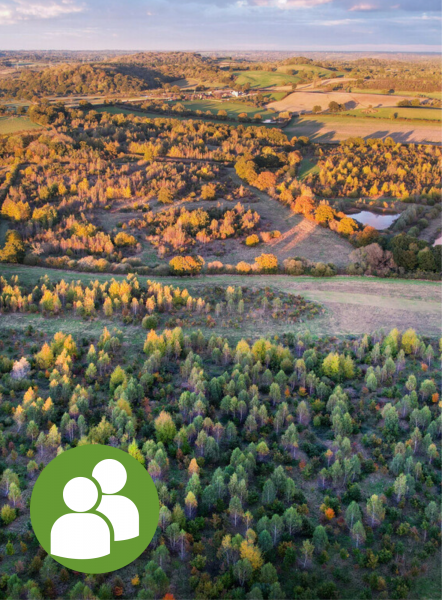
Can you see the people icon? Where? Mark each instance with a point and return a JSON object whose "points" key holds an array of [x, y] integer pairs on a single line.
{"points": [[80, 534], [120, 510], [85, 535]]}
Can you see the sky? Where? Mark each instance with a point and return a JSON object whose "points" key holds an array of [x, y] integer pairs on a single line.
{"points": [[292, 25]]}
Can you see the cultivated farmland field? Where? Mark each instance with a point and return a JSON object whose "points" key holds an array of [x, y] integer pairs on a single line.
{"points": [[325, 128], [303, 101]]}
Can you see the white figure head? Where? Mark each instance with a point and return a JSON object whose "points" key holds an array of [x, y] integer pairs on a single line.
{"points": [[111, 475], [80, 494]]}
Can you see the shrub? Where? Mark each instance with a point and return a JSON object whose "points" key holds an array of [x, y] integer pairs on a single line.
{"points": [[322, 270], [252, 240], [208, 191], [243, 267], [150, 322], [165, 196], [124, 239], [8, 514], [186, 265], [267, 263], [293, 266]]}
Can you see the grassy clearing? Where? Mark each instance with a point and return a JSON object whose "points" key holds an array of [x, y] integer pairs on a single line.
{"points": [[232, 107], [264, 79], [307, 167], [274, 96], [14, 124], [327, 128], [320, 71], [352, 305], [414, 114]]}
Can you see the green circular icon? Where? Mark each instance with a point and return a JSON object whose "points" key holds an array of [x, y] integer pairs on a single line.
{"points": [[94, 509]]}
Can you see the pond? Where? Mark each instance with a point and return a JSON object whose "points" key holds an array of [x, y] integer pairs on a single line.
{"points": [[374, 220]]}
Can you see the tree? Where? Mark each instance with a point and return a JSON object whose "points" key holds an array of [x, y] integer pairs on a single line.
{"points": [[293, 520], [400, 486], [358, 533], [165, 427], [252, 553], [320, 538], [243, 570], [235, 509], [352, 514], [307, 551], [375, 510]]}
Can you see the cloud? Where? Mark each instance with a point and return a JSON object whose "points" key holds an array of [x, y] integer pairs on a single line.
{"points": [[288, 4], [364, 6], [14, 11]]}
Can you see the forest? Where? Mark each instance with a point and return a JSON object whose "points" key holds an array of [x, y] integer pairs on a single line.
{"points": [[293, 467], [199, 289]]}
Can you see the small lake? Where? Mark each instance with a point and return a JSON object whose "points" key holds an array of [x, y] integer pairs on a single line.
{"points": [[374, 220]]}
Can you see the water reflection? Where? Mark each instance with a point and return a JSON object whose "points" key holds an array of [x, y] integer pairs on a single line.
{"points": [[374, 220]]}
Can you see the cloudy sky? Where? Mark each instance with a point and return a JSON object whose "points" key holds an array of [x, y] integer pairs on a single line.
{"points": [[382, 25]]}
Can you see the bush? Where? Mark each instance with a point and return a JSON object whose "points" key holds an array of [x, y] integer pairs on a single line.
{"points": [[186, 265], [165, 196], [293, 266], [252, 240], [149, 322], [243, 267], [124, 239], [267, 263], [8, 514]]}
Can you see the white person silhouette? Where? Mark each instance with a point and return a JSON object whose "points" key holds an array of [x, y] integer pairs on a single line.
{"points": [[120, 510], [80, 534]]}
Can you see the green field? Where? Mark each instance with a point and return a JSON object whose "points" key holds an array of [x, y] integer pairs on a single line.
{"points": [[434, 95], [264, 79], [320, 71], [14, 124], [232, 107], [307, 167], [413, 114]]}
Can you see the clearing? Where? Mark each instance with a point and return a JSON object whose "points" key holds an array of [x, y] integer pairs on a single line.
{"points": [[264, 79], [232, 107], [352, 305], [14, 124]]}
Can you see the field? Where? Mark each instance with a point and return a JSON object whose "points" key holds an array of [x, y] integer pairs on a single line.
{"points": [[414, 114], [264, 79], [232, 107], [320, 71], [434, 95], [302, 101], [14, 124], [326, 128]]}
